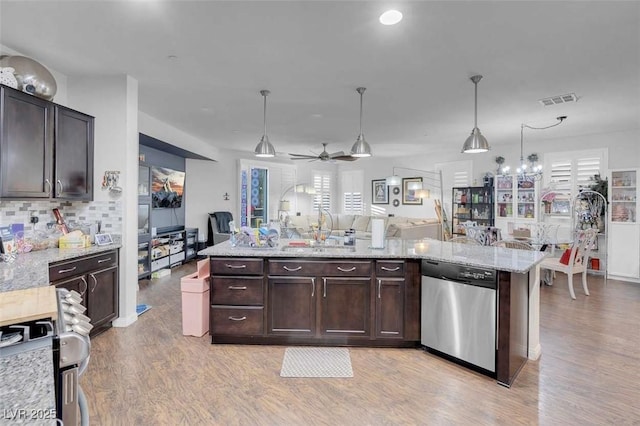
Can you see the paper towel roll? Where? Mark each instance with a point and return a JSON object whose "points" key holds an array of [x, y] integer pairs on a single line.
{"points": [[377, 233]]}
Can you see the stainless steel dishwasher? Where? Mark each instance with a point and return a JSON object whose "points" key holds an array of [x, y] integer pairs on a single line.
{"points": [[459, 312]]}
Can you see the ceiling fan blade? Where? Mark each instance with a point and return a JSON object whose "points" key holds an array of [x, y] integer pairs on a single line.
{"points": [[345, 158], [336, 154], [302, 156]]}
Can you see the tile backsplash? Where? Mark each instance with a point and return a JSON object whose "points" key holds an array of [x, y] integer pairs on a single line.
{"points": [[109, 213]]}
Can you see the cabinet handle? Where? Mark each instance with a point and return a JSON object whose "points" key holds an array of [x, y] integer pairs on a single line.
{"points": [[286, 268], [313, 286], [379, 285], [104, 260], [324, 287], [384, 268], [235, 266], [236, 287], [64, 271], [95, 282], [237, 319], [86, 286], [61, 186], [48, 182], [341, 269]]}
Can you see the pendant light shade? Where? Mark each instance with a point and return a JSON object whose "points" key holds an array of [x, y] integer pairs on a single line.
{"points": [[475, 142], [264, 147], [361, 148]]}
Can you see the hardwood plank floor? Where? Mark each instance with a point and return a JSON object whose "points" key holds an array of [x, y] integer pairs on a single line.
{"points": [[588, 374]]}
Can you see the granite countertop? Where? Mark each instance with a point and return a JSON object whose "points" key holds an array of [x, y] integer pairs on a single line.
{"points": [[32, 269], [497, 258]]}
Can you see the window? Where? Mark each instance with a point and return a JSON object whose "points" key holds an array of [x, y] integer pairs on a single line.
{"points": [[570, 171], [322, 185], [352, 195]]}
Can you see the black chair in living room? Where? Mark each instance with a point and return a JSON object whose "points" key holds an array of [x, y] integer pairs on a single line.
{"points": [[219, 229]]}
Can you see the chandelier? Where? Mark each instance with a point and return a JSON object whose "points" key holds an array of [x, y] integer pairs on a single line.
{"points": [[528, 172]]}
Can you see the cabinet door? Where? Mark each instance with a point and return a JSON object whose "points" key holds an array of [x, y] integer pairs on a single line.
{"points": [[103, 296], [78, 284], [26, 145], [74, 155], [346, 306], [624, 250], [389, 307], [291, 309]]}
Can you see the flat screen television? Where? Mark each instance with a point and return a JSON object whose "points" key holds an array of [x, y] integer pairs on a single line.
{"points": [[167, 187]]}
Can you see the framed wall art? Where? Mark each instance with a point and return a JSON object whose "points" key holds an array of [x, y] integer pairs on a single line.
{"points": [[410, 188], [379, 192]]}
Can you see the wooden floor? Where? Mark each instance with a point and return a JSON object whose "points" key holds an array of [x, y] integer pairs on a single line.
{"points": [[150, 374]]}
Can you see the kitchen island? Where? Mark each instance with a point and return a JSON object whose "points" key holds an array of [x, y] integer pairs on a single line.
{"points": [[359, 296]]}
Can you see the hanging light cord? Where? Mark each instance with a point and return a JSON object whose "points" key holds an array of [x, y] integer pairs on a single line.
{"points": [[522, 126], [264, 95], [475, 111], [361, 91]]}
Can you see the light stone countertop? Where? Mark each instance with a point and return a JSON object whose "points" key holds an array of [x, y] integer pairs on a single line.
{"points": [[32, 269], [496, 258]]}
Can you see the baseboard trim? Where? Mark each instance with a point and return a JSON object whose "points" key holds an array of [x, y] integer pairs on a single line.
{"points": [[535, 352], [125, 321]]}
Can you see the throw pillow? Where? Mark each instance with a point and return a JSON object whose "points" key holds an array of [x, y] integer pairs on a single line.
{"points": [[564, 259]]}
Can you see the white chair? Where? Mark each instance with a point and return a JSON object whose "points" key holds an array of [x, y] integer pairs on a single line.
{"points": [[578, 258], [514, 244]]}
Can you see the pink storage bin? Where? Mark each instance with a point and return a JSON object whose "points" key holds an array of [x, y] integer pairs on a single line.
{"points": [[195, 301]]}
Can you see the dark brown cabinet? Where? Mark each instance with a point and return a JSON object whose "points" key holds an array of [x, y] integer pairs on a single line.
{"points": [[292, 306], [345, 306], [46, 150], [95, 277], [315, 301]]}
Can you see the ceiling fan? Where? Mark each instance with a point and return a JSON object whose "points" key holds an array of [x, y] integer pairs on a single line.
{"points": [[324, 156]]}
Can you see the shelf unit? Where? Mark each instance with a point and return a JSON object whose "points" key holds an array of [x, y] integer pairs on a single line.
{"points": [[144, 221], [587, 207], [623, 226], [472, 203], [516, 199], [191, 238], [168, 249]]}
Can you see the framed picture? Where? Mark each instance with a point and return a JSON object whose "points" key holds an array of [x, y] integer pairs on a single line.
{"points": [[410, 188], [379, 192], [103, 239]]}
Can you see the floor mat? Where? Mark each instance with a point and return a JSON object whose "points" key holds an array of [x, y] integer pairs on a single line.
{"points": [[316, 362], [141, 309]]}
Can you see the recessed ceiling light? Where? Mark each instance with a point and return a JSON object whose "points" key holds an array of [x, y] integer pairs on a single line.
{"points": [[316, 115], [390, 17], [172, 57]]}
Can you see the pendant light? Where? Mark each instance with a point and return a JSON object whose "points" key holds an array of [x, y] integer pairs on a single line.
{"points": [[361, 148], [264, 147], [476, 142]]}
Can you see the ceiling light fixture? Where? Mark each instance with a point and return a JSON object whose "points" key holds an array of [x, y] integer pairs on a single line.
{"points": [[361, 148], [390, 17], [524, 172], [476, 142], [264, 147]]}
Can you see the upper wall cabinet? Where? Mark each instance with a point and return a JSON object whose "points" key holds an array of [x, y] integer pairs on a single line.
{"points": [[46, 150]]}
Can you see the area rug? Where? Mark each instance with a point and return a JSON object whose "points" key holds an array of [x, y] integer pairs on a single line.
{"points": [[141, 309], [316, 362]]}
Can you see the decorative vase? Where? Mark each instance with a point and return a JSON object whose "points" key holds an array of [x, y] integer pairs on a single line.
{"points": [[7, 78], [32, 76]]}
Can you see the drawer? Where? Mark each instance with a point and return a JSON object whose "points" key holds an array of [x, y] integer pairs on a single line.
{"points": [[175, 248], [236, 266], [159, 264], [328, 268], [244, 321], [237, 291], [390, 268], [83, 265], [175, 258]]}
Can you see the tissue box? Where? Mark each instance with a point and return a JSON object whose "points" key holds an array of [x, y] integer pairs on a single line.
{"points": [[74, 239]]}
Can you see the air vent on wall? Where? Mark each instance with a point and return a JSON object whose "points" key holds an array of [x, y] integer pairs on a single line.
{"points": [[562, 99]]}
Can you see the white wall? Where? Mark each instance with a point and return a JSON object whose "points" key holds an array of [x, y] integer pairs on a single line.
{"points": [[113, 100]]}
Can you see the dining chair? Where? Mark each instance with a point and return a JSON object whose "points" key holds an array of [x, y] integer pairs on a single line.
{"points": [[514, 244], [577, 259], [465, 240]]}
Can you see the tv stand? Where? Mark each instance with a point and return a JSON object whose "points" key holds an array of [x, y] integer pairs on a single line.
{"points": [[172, 246]]}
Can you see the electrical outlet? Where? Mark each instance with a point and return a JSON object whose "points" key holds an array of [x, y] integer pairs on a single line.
{"points": [[33, 219]]}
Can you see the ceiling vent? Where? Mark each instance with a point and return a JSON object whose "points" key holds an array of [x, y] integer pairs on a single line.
{"points": [[562, 99]]}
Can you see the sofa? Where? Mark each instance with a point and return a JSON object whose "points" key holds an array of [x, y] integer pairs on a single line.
{"points": [[395, 226]]}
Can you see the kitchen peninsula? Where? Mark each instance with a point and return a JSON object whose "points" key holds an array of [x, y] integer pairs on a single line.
{"points": [[359, 296]]}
